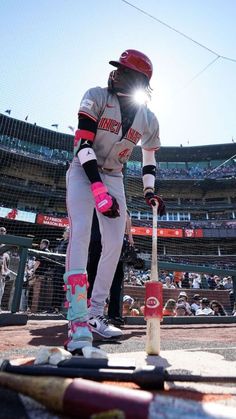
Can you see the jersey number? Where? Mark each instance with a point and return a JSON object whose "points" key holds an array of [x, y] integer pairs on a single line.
{"points": [[123, 155]]}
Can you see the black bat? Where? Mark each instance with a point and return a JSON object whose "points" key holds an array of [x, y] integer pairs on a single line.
{"points": [[146, 377]]}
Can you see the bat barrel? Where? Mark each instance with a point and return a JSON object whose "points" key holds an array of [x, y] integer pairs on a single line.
{"points": [[85, 398], [81, 398]]}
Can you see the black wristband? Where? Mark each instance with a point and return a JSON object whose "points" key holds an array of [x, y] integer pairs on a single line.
{"points": [[149, 169]]}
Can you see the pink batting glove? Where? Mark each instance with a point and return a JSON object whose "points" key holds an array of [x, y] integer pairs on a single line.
{"points": [[103, 200]]}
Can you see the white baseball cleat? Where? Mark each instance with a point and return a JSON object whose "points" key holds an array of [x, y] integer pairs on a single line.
{"points": [[100, 326]]}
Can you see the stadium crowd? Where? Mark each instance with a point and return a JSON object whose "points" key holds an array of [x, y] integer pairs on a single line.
{"points": [[184, 280], [184, 305], [133, 169]]}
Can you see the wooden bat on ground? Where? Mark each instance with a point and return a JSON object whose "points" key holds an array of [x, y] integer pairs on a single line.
{"points": [[153, 296], [87, 399], [81, 398]]}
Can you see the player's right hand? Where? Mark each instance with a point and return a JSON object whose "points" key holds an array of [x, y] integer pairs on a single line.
{"points": [[151, 200], [105, 203]]}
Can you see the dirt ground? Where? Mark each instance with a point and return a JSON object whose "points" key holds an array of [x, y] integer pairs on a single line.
{"points": [[185, 349]]}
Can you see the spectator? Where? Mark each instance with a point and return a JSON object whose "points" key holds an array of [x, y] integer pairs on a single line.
{"points": [[217, 308], [205, 309], [228, 283], [196, 284], [169, 308], [127, 305], [219, 283], [4, 266], [62, 247], [138, 308], [204, 282], [184, 296], [26, 294], [142, 309], [42, 284], [212, 283], [3, 231], [196, 303], [134, 312], [167, 283], [185, 281], [182, 308], [178, 276]]}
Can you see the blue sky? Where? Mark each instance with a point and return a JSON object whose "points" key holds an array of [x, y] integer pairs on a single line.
{"points": [[52, 51]]}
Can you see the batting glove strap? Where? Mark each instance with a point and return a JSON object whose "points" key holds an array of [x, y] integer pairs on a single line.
{"points": [[98, 188]]}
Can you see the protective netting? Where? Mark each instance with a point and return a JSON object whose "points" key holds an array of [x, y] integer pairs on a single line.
{"points": [[198, 185]]}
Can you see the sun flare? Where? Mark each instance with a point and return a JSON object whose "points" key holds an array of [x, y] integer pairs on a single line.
{"points": [[141, 97]]}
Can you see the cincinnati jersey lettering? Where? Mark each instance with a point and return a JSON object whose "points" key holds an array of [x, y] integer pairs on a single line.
{"points": [[111, 125], [108, 124]]}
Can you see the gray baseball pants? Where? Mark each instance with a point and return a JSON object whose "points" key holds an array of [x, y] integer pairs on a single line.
{"points": [[80, 206]]}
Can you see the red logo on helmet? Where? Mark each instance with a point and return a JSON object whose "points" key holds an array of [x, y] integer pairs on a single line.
{"points": [[124, 55]]}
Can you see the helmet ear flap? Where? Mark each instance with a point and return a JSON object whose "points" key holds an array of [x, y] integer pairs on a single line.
{"points": [[111, 79]]}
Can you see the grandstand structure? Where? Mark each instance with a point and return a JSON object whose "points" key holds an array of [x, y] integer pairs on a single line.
{"points": [[198, 185]]}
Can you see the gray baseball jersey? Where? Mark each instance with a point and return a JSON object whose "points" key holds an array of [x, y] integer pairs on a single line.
{"points": [[111, 148]]}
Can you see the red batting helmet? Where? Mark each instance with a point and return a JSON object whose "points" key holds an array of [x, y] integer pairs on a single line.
{"points": [[135, 60]]}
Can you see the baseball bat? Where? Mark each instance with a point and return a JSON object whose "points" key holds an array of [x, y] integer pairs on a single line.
{"points": [[79, 397], [153, 319], [148, 376]]}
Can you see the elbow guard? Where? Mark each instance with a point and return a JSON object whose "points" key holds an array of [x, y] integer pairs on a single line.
{"points": [[83, 137]]}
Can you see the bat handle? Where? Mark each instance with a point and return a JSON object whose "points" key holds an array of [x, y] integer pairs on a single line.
{"points": [[154, 265], [153, 341]]}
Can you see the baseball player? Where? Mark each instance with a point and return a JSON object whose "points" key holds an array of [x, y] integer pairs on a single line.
{"points": [[110, 124]]}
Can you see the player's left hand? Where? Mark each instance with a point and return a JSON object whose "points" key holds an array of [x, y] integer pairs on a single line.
{"points": [[151, 199]]}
